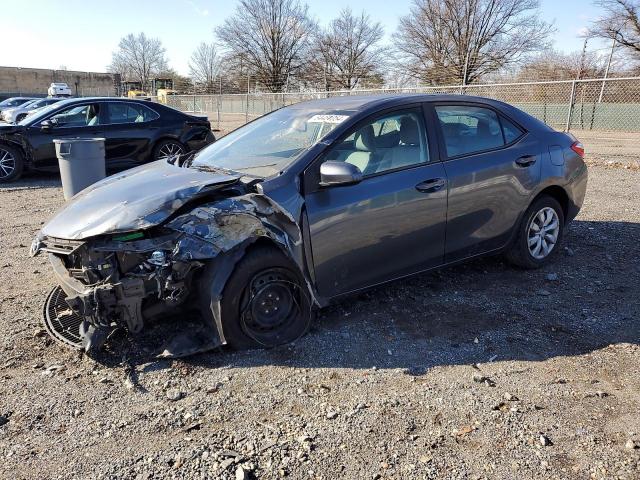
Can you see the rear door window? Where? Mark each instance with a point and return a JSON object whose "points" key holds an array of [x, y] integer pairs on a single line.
{"points": [[121, 112], [469, 129]]}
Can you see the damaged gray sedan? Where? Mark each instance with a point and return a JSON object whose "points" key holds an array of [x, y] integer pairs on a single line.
{"points": [[241, 242]]}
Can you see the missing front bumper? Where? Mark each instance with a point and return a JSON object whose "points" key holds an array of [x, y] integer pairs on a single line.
{"points": [[82, 317]]}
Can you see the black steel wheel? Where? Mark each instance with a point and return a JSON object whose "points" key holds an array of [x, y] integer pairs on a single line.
{"points": [[265, 302]]}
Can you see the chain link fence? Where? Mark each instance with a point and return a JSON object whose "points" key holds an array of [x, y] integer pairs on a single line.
{"points": [[603, 113]]}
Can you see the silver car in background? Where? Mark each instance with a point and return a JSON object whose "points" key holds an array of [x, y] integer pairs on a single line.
{"points": [[13, 102], [17, 114]]}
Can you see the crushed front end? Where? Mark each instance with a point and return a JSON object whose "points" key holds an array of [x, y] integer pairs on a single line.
{"points": [[114, 281], [177, 268]]}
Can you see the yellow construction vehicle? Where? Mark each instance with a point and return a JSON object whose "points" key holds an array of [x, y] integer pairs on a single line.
{"points": [[138, 94]]}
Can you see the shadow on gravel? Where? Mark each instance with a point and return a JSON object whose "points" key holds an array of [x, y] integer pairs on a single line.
{"points": [[482, 311], [33, 180]]}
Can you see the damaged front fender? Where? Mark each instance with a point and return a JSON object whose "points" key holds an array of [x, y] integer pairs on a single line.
{"points": [[228, 227]]}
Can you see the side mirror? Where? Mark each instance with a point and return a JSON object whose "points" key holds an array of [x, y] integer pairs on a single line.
{"points": [[339, 173], [46, 125]]}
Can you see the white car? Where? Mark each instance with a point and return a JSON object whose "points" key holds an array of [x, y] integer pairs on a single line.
{"points": [[59, 90], [16, 114], [8, 113]]}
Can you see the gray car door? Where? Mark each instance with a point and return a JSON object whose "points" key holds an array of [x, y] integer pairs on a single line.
{"points": [[390, 224], [493, 167]]}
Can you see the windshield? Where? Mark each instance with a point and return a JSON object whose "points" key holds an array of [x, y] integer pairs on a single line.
{"points": [[39, 103], [269, 144], [30, 103]]}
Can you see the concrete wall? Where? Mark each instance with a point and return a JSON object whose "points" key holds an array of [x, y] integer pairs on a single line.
{"points": [[36, 81]]}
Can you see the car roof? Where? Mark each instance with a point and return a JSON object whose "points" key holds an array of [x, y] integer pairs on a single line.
{"points": [[364, 102], [71, 101]]}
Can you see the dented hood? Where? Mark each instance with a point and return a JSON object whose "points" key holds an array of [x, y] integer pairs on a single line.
{"points": [[132, 200]]}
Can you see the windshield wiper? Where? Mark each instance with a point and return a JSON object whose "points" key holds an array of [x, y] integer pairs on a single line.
{"points": [[209, 168]]}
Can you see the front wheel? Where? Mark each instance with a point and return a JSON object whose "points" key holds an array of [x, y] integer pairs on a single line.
{"points": [[539, 234], [11, 163], [265, 302]]}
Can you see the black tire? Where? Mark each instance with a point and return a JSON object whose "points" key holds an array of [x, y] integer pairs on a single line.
{"points": [[21, 117], [519, 252], [11, 163], [262, 271], [162, 145]]}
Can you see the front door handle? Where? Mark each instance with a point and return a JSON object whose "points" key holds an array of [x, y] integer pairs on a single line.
{"points": [[526, 160], [432, 185]]}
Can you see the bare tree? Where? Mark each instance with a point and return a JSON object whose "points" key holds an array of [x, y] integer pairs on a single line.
{"points": [[553, 65], [350, 50], [621, 23], [204, 66], [138, 58], [270, 37], [462, 40]]}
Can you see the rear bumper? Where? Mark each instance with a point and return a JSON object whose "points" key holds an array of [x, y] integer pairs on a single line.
{"points": [[577, 189]]}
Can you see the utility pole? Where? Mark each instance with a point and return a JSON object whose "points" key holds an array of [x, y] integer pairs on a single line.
{"points": [[326, 87], [583, 56], [246, 111], [606, 72], [464, 72], [466, 66]]}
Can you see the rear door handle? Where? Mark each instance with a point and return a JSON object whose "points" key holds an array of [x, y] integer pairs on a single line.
{"points": [[432, 185], [526, 160]]}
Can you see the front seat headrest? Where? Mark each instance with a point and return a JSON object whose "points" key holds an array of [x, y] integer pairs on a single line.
{"points": [[409, 134], [483, 129], [364, 139]]}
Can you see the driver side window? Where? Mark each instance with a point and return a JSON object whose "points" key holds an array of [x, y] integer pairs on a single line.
{"points": [[77, 116], [388, 142]]}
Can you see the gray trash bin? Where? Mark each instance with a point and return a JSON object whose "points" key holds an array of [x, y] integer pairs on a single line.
{"points": [[81, 163]]}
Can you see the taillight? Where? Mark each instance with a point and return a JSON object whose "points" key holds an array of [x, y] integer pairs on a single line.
{"points": [[578, 148]]}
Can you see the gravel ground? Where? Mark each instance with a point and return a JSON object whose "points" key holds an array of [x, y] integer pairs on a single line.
{"points": [[478, 371]]}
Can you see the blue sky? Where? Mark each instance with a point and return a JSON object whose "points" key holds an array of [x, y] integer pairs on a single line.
{"points": [[81, 34]]}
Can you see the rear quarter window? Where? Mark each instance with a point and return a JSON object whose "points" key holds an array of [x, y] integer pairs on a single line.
{"points": [[511, 131]]}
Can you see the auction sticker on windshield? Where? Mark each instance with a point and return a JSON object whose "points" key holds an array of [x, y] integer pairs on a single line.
{"points": [[328, 119]]}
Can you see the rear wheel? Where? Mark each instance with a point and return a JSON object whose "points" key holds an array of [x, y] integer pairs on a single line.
{"points": [[265, 302], [166, 149], [539, 233], [21, 117], [11, 163]]}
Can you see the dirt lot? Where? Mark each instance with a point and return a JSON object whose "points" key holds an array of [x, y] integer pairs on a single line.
{"points": [[480, 371]]}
